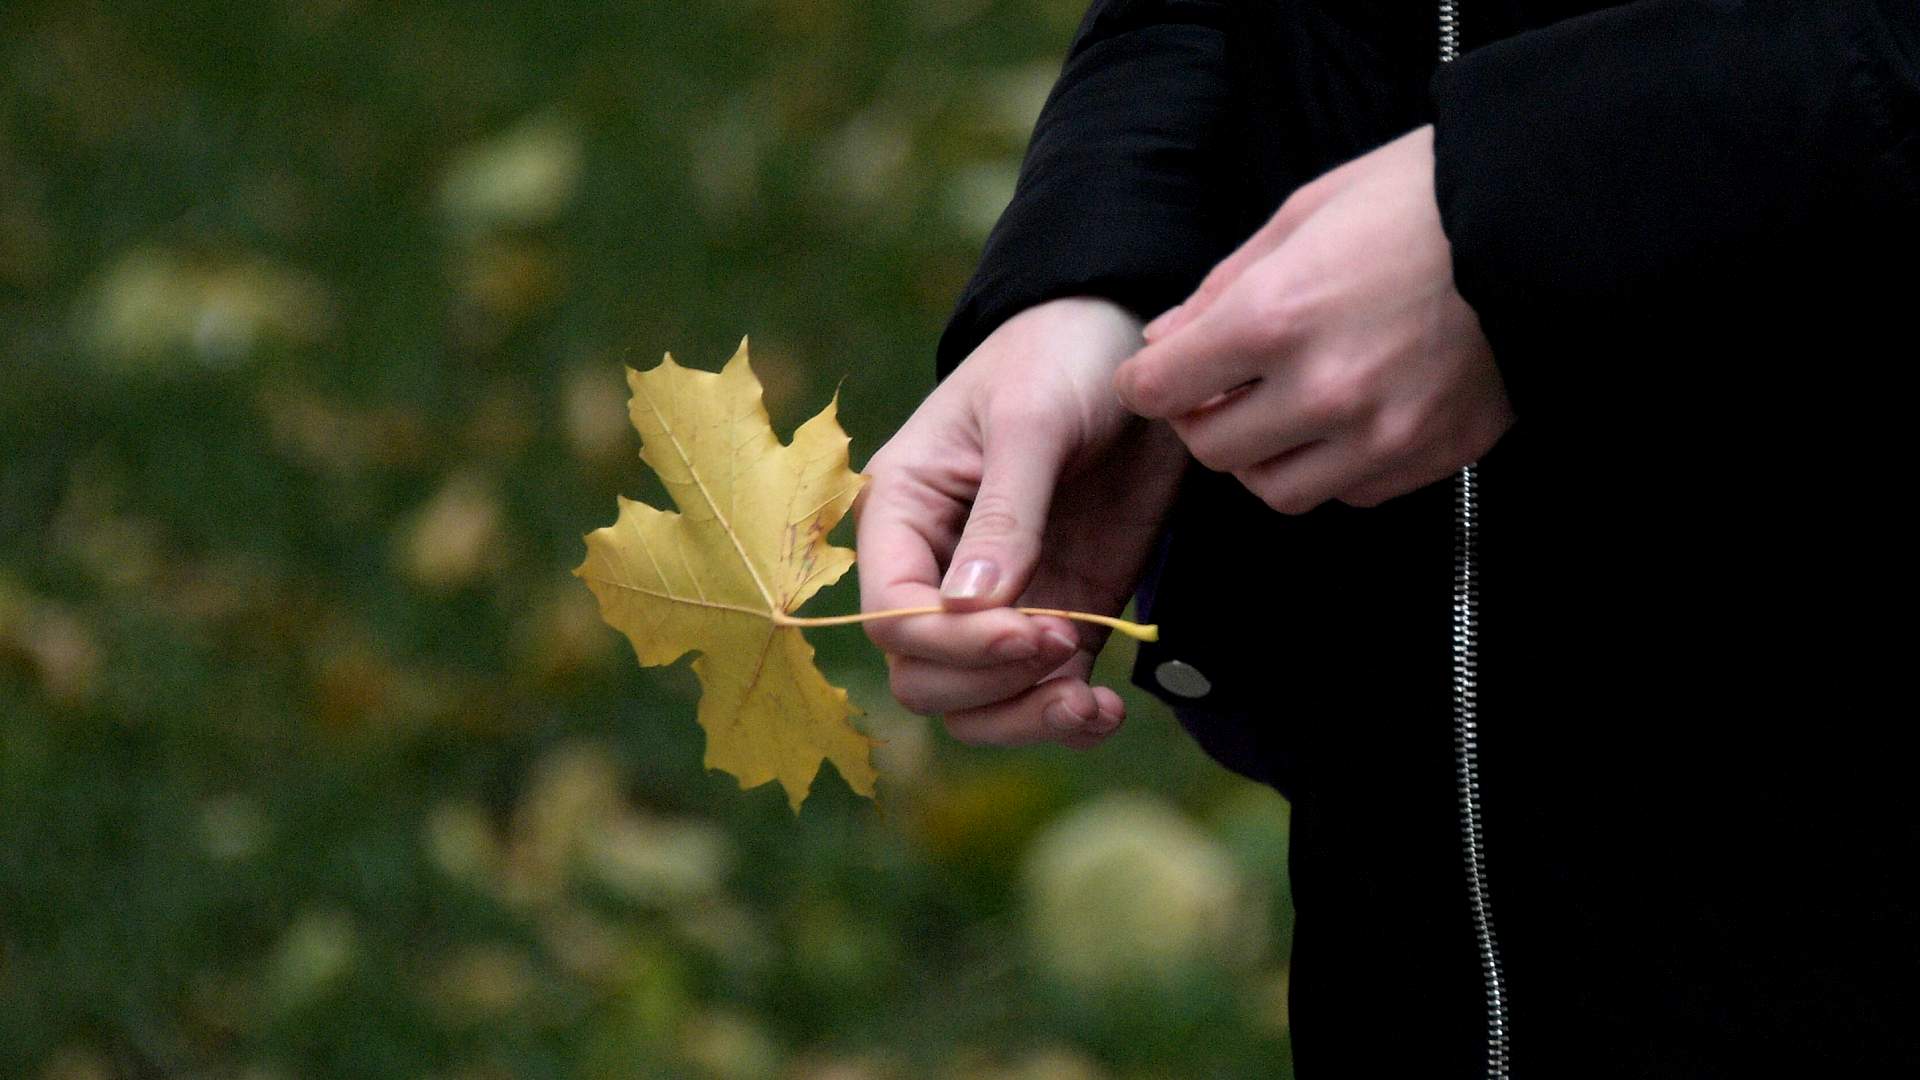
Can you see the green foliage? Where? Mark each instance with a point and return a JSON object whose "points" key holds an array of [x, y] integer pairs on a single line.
{"points": [[314, 760]]}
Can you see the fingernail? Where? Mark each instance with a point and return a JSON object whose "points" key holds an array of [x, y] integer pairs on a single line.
{"points": [[1060, 719], [1010, 650], [1152, 329], [970, 580], [1061, 642]]}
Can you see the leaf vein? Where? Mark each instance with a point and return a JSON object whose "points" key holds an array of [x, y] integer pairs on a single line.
{"points": [[725, 525], [715, 605]]}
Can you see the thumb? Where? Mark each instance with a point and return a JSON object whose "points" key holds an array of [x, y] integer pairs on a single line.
{"points": [[1001, 542]]}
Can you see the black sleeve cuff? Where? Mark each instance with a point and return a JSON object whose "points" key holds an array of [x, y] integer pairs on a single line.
{"points": [[1663, 160], [1124, 191]]}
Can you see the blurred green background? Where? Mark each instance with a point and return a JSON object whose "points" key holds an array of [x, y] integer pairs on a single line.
{"points": [[314, 759]]}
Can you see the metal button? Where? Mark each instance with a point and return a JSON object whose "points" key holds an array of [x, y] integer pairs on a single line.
{"points": [[1182, 679]]}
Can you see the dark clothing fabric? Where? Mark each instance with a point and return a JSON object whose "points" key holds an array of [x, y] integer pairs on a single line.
{"points": [[1691, 229]]}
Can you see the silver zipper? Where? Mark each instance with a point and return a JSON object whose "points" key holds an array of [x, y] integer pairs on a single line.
{"points": [[1466, 756], [1466, 702]]}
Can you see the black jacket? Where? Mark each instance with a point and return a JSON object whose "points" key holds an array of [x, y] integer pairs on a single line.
{"points": [[1691, 229]]}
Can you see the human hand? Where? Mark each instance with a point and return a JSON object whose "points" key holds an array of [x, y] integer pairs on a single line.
{"points": [[1331, 356], [1020, 480]]}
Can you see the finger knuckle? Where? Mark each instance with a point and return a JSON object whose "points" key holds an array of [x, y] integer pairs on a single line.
{"points": [[993, 517], [1393, 435], [1288, 499], [1021, 417], [1211, 461], [881, 464], [1277, 304], [1295, 208], [964, 732], [1216, 281], [1296, 504], [1208, 452], [1271, 310], [911, 695], [1333, 396], [882, 636], [1148, 389]]}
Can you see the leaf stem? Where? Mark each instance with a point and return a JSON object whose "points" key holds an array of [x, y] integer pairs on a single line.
{"points": [[1134, 630]]}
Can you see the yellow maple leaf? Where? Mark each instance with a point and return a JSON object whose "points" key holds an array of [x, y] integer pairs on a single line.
{"points": [[720, 578], [723, 577]]}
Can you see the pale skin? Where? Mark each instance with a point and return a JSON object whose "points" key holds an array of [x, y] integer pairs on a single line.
{"points": [[1019, 481], [1329, 358]]}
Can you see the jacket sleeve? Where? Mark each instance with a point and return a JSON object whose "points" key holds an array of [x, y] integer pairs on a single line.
{"points": [[1123, 190], [1675, 162]]}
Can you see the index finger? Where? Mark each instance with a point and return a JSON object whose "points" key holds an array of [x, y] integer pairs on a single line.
{"points": [[902, 537], [1179, 372]]}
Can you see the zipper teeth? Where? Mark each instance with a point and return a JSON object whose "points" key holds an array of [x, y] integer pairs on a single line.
{"points": [[1466, 751], [1466, 702]]}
